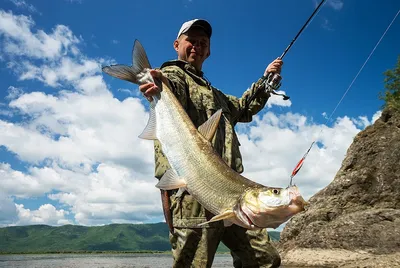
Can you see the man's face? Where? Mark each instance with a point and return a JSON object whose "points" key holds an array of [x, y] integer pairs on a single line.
{"points": [[193, 47]]}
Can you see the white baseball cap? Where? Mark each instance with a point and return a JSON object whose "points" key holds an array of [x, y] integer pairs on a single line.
{"points": [[198, 23]]}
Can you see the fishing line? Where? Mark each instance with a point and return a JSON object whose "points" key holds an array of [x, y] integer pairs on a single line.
{"points": [[362, 67], [300, 163]]}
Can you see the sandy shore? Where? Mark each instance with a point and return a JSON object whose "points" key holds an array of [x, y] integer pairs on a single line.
{"points": [[338, 258]]}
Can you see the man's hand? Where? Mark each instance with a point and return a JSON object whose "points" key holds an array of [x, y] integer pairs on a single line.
{"points": [[150, 89], [274, 67]]}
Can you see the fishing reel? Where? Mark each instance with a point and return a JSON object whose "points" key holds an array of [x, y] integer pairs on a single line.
{"points": [[273, 83]]}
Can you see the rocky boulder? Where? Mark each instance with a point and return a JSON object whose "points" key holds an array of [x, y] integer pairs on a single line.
{"points": [[360, 209]]}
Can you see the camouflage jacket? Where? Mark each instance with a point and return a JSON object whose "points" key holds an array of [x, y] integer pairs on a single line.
{"points": [[201, 100]]}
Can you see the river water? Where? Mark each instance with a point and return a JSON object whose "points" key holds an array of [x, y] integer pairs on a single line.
{"points": [[98, 261]]}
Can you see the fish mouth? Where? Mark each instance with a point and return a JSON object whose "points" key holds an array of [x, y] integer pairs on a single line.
{"points": [[296, 200], [298, 204], [248, 219]]}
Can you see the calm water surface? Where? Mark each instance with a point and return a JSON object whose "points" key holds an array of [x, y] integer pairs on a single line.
{"points": [[97, 261]]}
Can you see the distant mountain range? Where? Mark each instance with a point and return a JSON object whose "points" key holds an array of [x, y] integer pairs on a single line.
{"points": [[75, 238]]}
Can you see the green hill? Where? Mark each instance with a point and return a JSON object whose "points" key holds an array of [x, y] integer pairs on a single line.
{"points": [[74, 238]]}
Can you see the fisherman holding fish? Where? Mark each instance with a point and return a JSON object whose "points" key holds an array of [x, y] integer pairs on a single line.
{"points": [[193, 246]]}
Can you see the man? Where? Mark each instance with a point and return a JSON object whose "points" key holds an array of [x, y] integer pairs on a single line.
{"points": [[193, 246]]}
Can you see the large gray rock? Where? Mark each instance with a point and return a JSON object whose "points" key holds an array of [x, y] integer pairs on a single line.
{"points": [[360, 209]]}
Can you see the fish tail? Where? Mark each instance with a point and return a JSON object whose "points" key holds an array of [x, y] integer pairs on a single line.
{"points": [[134, 73]]}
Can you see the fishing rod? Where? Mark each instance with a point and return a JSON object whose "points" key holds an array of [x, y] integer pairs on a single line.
{"points": [[273, 80]]}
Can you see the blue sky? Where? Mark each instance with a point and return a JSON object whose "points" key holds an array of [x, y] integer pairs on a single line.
{"points": [[69, 150]]}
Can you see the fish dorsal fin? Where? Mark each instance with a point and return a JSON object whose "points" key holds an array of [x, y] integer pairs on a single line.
{"points": [[209, 127], [227, 214], [170, 180], [140, 62], [150, 131]]}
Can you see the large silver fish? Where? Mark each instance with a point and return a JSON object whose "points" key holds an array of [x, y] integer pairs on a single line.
{"points": [[197, 168]]}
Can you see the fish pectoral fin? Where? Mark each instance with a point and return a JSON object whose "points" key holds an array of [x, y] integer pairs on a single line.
{"points": [[223, 216], [209, 127], [150, 131], [170, 180]]}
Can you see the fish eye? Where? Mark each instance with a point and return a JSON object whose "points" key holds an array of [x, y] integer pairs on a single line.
{"points": [[275, 191]]}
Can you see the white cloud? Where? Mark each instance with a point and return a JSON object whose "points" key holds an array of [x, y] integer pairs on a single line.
{"points": [[46, 214], [66, 71], [75, 1], [110, 193], [278, 100], [24, 5], [376, 116], [130, 92], [335, 4], [14, 92], [18, 184], [327, 25], [20, 41], [75, 128], [114, 194]]}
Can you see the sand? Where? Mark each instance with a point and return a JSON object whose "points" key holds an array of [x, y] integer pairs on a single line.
{"points": [[338, 258]]}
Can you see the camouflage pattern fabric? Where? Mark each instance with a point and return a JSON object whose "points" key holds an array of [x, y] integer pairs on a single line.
{"points": [[250, 248], [196, 247], [193, 246]]}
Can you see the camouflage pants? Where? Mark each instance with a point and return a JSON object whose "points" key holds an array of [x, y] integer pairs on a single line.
{"points": [[196, 247]]}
